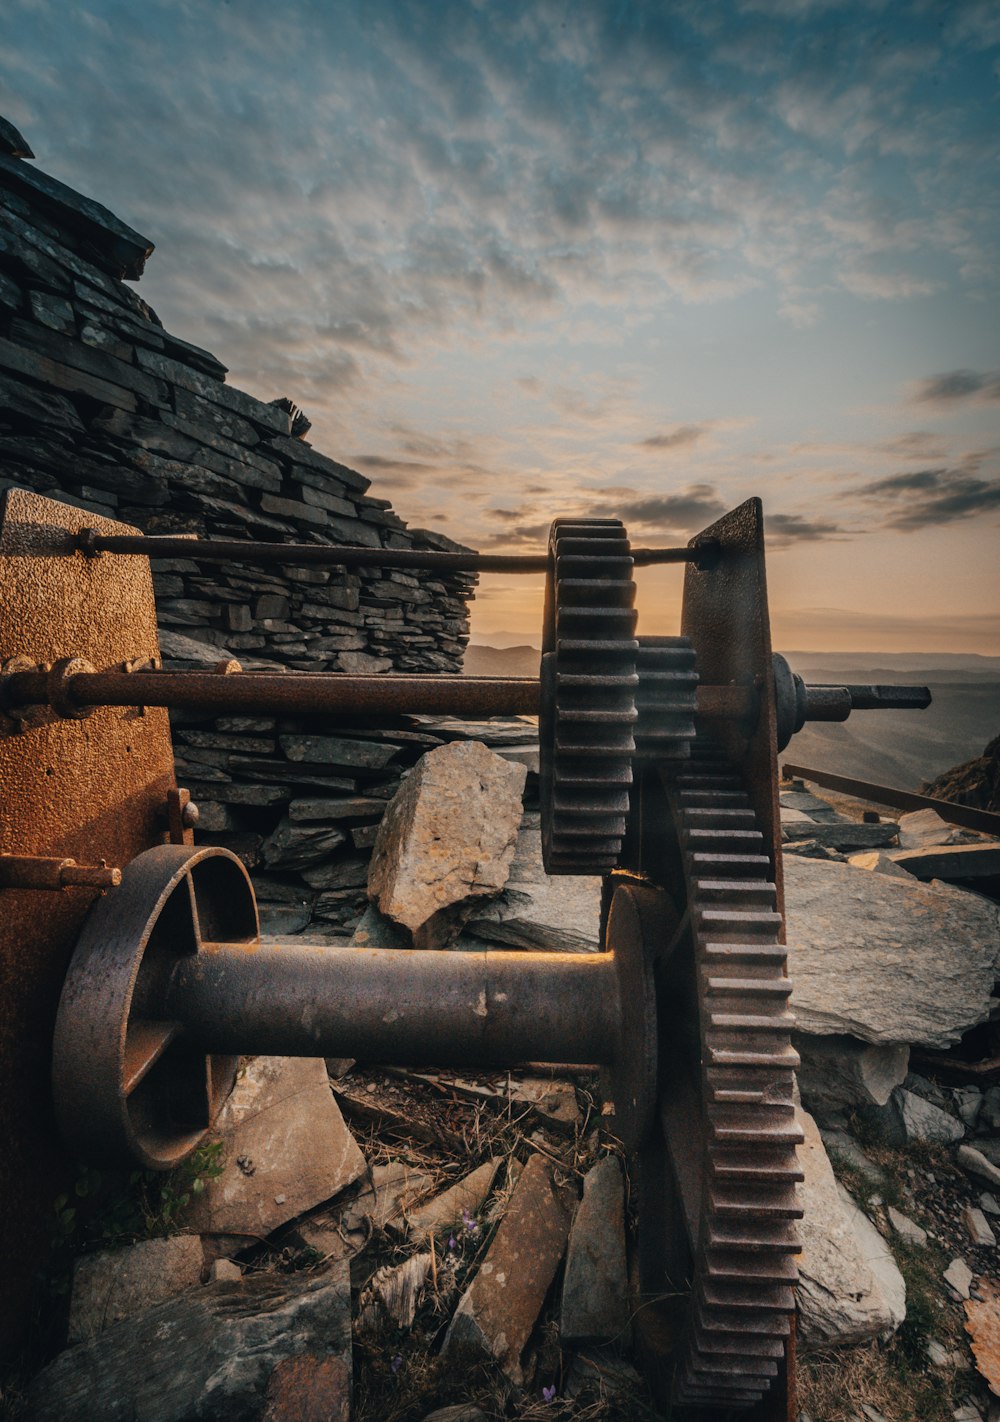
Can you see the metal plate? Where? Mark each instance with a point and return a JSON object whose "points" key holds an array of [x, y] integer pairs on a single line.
{"points": [[726, 618], [87, 789]]}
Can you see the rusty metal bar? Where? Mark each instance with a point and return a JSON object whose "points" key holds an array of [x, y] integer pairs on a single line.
{"points": [[304, 693], [31, 871], [292, 693], [238, 550], [984, 820], [398, 1006]]}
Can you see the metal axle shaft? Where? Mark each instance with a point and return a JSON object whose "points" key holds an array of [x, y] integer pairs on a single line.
{"points": [[239, 550], [397, 1005]]}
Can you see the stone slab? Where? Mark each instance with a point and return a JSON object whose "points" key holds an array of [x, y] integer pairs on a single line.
{"points": [[207, 1356], [558, 914], [497, 1312], [286, 1149], [840, 1299], [951, 861], [841, 1071], [883, 960], [114, 1283], [594, 1305], [842, 835], [447, 1209]]}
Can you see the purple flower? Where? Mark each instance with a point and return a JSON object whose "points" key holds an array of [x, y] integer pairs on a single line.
{"points": [[452, 1242], [396, 1363], [470, 1224], [548, 1393]]}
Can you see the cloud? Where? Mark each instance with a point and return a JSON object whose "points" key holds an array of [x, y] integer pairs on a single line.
{"points": [[928, 498], [916, 444], [676, 438], [684, 512], [957, 387], [785, 529]]}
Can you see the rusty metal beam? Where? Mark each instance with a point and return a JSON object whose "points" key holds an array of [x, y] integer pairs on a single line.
{"points": [[238, 550], [985, 821]]}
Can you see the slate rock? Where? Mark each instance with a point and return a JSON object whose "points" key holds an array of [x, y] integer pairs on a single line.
{"points": [[560, 914], [973, 1162], [904, 1226], [884, 960], [842, 835], [922, 829], [951, 862], [497, 1312], [286, 1148], [309, 1387], [978, 1226], [878, 861], [958, 1276], [299, 846], [841, 1299], [335, 750], [206, 1356], [115, 1283], [594, 1306], [446, 1209], [841, 1071], [446, 839]]}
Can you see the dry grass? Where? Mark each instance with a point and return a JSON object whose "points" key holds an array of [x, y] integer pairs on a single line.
{"points": [[895, 1377]]}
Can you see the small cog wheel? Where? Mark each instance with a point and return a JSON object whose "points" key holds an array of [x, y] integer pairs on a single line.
{"points": [[588, 684]]}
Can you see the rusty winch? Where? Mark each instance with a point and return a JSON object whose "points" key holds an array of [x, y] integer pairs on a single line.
{"points": [[133, 974]]}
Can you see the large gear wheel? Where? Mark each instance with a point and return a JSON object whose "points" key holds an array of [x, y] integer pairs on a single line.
{"points": [[716, 1197], [588, 686]]}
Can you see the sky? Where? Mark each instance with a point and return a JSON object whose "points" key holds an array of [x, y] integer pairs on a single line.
{"points": [[519, 259]]}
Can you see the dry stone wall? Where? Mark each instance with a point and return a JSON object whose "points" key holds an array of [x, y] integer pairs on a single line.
{"points": [[101, 407]]}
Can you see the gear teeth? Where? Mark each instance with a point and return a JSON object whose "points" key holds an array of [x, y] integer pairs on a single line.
{"points": [[589, 689], [665, 699], [744, 1265]]}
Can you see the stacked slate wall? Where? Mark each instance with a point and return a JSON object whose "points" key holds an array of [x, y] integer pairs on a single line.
{"points": [[103, 408]]}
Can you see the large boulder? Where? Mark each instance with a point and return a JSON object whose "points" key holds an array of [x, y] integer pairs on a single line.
{"points": [[885, 960], [446, 840]]}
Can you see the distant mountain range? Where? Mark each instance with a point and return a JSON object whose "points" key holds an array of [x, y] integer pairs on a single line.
{"points": [[900, 748]]}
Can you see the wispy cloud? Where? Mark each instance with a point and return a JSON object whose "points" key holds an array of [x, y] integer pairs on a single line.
{"points": [[677, 438], [927, 498], [785, 529], [956, 387]]}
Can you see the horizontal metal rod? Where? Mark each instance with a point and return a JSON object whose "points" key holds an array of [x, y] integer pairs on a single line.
{"points": [[239, 550], [311, 693], [966, 815], [876, 698], [398, 1006]]}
